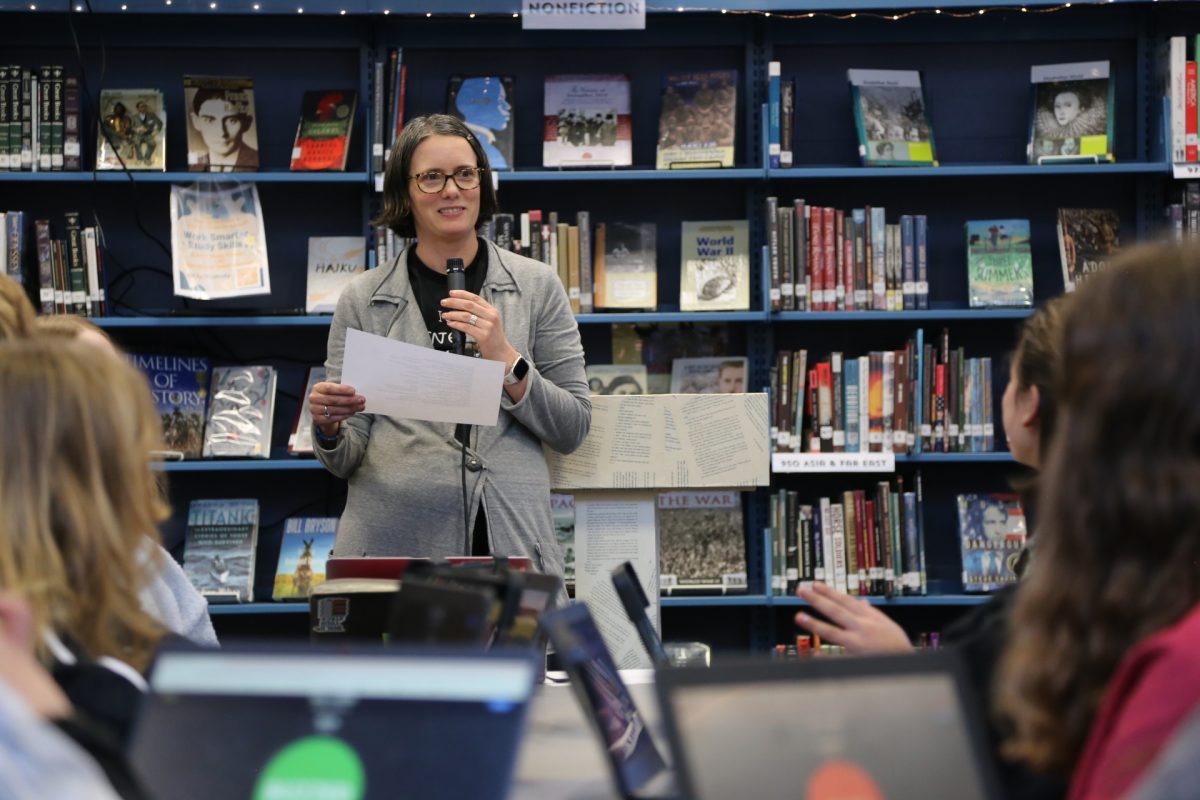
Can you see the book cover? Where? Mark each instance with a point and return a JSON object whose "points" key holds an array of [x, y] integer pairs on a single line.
{"points": [[323, 135], [333, 261], [1072, 113], [485, 103], [701, 542], [999, 263], [709, 375], [218, 550], [715, 266], [562, 510], [630, 271], [890, 114], [587, 121], [240, 413], [300, 442], [222, 135], [132, 130], [697, 120], [179, 385], [991, 530], [617, 378], [218, 241], [306, 546], [1087, 239]]}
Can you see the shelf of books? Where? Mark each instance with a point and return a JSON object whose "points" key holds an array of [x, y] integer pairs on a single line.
{"points": [[228, 320], [187, 177], [606, 175], [946, 170], [264, 465]]}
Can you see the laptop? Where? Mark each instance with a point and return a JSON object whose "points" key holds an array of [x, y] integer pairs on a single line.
{"points": [[636, 764], [266, 722], [897, 727]]}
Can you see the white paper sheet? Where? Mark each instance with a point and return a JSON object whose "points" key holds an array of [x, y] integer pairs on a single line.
{"points": [[410, 382]]}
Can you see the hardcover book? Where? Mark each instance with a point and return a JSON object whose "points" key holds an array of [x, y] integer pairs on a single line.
{"points": [[132, 130], [991, 530], [709, 375], [626, 265], [179, 385], [306, 546], [562, 509], [697, 123], [715, 266], [617, 378], [333, 261], [1072, 115], [890, 114], [218, 551], [701, 542], [999, 263], [300, 442], [1087, 239], [222, 135], [485, 103], [323, 136], [240, 413], [587, 121]]}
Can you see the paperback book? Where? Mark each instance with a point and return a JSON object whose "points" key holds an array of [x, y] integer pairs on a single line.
{"points": [[1072, 114], [626, 265], [562, 510], [697, 124], [991, 529], [222, 135], [179, 385], [218, 241], [587, 121], [323, 136], [300, 442], [333, 261], [617, 378], [715, 266], [891, 116], [306, 546], [709, 375], [240, 413], [1087, 239], [701, 542], [218, 552], [999, 263], [485, 104], [132, 130]]}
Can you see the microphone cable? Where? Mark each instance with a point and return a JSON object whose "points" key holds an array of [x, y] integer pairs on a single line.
{"points": [[456, 278]]}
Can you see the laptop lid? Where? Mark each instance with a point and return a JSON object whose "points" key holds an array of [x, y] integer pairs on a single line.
{"points": [[900, 727], [268, 722], [637, 767]]}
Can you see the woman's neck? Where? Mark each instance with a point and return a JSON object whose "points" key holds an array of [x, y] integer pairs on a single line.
{"points": [[435, 254]]}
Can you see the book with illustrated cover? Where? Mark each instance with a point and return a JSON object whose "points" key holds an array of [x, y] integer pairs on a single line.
{"points": [[240, 413], [179, 385], [626, 265], [485, 103], [562, 509], [587, 121], [218, 241], [701, 542], [221, 129], [1087, 239], [709, 375], [991, 530], [999, 263], [306, 546], [300, 442], [715, 266], [132, 130], [333, 261], [697, 122], [219, 546], [323, 136], [617, 378], [1073, 113], [892, 119]]}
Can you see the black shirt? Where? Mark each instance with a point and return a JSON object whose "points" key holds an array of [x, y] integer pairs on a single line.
{"points": [[429, 286]]}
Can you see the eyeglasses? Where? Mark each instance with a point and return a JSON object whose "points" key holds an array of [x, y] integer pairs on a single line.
{"points": [[464, 178]]}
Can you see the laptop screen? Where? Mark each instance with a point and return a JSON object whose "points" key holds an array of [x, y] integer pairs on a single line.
{"points": [[871, 736], [332, 724]]}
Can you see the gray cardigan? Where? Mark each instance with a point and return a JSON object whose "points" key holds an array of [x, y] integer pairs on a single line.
{"points": [[405, 491]]}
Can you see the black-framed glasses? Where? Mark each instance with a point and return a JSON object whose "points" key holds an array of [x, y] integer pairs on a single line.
{"points": [[434, 181]]}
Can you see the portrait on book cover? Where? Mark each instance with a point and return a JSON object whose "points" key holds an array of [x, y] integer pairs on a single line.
{"points": [[222, 135], [616, 379], [132, 130], [992, 533], [718, 375], [895, 123], [485, 104], [1069, 110]]}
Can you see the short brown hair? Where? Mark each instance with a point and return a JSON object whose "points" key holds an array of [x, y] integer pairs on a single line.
{"points": [[397, 208]]}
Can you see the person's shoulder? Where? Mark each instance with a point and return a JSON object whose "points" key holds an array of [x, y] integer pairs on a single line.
{"points": [[523, 268]]}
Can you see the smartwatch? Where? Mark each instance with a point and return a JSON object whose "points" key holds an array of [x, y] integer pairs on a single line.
{"points": [[520, 368]]}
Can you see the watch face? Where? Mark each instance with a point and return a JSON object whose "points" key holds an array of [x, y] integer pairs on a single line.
{"points": [[520, 368]]}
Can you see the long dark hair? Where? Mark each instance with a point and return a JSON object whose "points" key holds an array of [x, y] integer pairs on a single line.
{"points": [[1119, 537], [397, 207]]}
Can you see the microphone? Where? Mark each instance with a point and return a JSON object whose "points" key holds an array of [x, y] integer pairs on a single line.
{"points": [[456, 278]]}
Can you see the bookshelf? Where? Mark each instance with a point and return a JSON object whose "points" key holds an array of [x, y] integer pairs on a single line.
{"points": [[976, 76]]}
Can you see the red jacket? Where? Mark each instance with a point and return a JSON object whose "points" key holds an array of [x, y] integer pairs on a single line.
{"points": [[1154, 688]]}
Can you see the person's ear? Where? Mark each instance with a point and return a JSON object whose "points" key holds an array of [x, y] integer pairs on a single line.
{"points": [[1028, 402]]}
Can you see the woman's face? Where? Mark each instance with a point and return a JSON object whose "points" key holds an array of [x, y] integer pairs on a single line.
{"points": [[1070, 147], [1066, 107], [451, 214]]}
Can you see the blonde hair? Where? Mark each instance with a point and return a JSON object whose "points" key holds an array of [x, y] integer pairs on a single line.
{"points": [[79, 503], [16, 312]]}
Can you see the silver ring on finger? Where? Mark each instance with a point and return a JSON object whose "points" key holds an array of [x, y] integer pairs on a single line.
{"points": [[473, 319], [327, 411]]}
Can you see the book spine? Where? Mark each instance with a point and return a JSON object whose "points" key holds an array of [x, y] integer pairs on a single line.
{"points": [[837, 519], [773, 109], [14, 234], [583, 220], [791, 541], [827, 557], [377, 117], [787, 260], [849, 234], [862, 552], [825, 405], [574, 287], [875, 434], [5, 128], [818, 543], [1178, 94], [900, 406], [852, 550], [27, 106], [839, 410], [56, 110], [889, 398], [878, 254], [862, 295], [939, 405], [772, 212], [814, 403], [864, 404], [800, 231], [908, 281], [816, 258], [921, 235], [839, 235], [1189, 111], [14, 117], [799, 373], [76, 266], [59, 275], [989, 422], [45, 258], [853, 439], [829, 258], [92, 260], [72, 149], [780, 430], [45, 138], [787, 118]]}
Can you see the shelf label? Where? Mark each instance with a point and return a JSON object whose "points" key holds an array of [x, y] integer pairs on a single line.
{"points": [[1190, 170], [833, 462], [541, 15]]}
